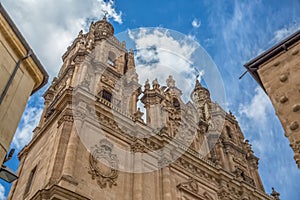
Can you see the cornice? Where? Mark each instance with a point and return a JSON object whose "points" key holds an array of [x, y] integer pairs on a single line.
{"points": [[21, 48]]}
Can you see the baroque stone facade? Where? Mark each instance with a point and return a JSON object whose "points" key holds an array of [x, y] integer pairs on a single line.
{"points": [[180, 150], [277, 71]]}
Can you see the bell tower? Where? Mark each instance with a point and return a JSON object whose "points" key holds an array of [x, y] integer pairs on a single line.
{"points": [[97, 67], [201, 98]]}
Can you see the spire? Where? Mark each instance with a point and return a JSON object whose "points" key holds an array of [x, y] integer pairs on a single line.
{"points": [[130, 62], [200, 90], [198, 84], [201, 99]]}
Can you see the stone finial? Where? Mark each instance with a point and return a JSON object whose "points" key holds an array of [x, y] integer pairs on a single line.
{"points": [[248, 145], [198, 84], [124, 44], [80, 34], [147, 85], [248, 148], [275, 194], [130, 62], [231, 115], [138, 115], [155, 84], [170, 81], [92, 26], [54, 80]]}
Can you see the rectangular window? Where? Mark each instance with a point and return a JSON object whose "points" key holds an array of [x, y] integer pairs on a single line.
{"points": [[106, 95], [30, 179]]}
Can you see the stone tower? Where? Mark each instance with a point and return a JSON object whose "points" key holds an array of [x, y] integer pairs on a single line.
{"points": [[93, 143]]}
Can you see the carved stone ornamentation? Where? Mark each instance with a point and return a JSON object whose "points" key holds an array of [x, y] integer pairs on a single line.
{"points": [[138, 147], [104, 164], [224, 195], [86, 81], [138, 115], [190, 185], [108, 81], [65, 118], [91, 124], [170, 81], [275, 194], [164, 158]]}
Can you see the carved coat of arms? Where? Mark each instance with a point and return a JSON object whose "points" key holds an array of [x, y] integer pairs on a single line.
{"points": [[104, 164]]}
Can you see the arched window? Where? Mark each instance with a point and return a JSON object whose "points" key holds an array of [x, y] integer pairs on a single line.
{"points": [[229, 133], [106, 95], [111, 58], [176, 103]]}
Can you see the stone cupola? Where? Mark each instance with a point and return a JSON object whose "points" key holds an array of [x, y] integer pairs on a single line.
{"points": [[103, 29]]}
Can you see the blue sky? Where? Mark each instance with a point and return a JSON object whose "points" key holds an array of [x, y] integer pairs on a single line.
{"points": [[232, 32]]}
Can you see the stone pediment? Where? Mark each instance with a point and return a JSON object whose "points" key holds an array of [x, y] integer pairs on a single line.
{"points": [[192, 188]]}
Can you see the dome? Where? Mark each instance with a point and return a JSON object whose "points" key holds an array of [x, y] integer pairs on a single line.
{"points": [[103, 29]]}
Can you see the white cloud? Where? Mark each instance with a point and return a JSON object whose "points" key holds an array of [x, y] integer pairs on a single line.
{"points": [[28, 122], [235, 28], [258, 107], [2, 192], [196, 23], [160, 54], [176, 54], [50, 26], [201, 74], [285, 32], [108, 6]]}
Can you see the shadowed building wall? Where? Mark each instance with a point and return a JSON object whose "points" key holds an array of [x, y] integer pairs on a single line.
{"points": [[277, 71], [29, 76]]}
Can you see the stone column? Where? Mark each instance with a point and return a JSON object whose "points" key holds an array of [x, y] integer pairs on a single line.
{"points": [[71, 153], [134, 100], [222, 156], [128, 178], [230, 158], [137, 177], [148, 119], [256, 177], [166, 183], [48, 96], [64, 127], [137, 186]]}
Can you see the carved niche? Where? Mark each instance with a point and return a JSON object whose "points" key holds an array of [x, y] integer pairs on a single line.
{"points": [[104, 164]]}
